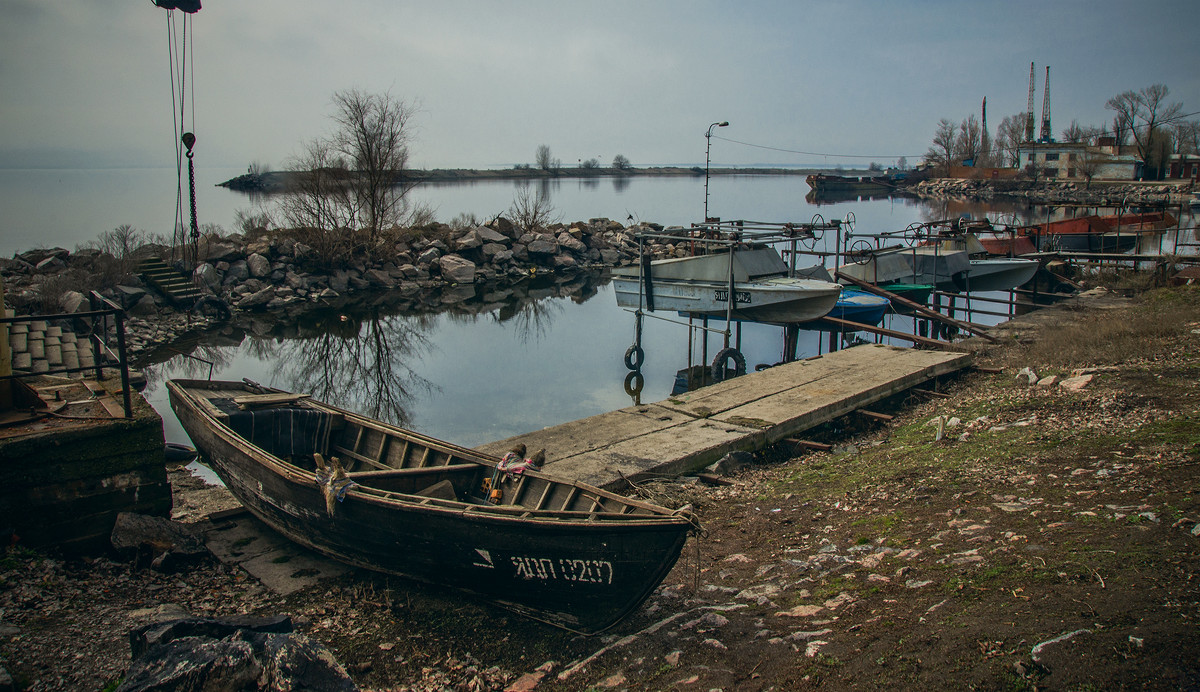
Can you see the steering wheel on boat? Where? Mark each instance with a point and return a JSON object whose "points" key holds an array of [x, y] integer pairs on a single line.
{"points": [[915, 233], [859, 251]]}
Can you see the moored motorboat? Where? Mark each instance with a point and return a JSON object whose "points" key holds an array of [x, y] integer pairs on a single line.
{"points": [[699, 286], [854, 305], [392, 500]]}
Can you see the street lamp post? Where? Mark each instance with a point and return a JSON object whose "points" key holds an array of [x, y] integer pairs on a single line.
{"points": [[707, 150]]}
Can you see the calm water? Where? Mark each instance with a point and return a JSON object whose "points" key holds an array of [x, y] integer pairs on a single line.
{"points": [[497, 364], [66, 208]]}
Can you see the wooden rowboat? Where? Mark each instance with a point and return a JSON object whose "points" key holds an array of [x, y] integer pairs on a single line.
{"points": [[395, 501]]}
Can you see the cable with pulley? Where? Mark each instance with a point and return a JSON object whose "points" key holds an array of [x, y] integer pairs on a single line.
{"points": [[180, 65]]}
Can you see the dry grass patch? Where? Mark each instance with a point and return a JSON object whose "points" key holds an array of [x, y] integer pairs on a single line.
{"points": [[1114, 337]]}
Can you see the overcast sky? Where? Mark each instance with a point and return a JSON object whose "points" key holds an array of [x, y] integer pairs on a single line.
{"points": [[87, 84]]}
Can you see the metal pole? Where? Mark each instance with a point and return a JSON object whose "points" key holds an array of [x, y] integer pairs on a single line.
{"points": [[707, 160]]}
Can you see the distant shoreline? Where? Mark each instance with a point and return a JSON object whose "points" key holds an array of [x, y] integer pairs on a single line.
{"points": [[277, 181]]}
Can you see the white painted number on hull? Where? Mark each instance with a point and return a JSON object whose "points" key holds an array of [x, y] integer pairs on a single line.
{"points": [[722, 296], [545, 569], [487, 559]]}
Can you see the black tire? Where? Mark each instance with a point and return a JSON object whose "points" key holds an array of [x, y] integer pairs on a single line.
{"points": [[220, 307], [947, 331], [723, 356], [634, 356], [634, 382]]}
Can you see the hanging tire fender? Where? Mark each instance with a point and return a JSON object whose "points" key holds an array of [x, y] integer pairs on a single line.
{"points": [[634, 382], [634, 357], [723, 356]]}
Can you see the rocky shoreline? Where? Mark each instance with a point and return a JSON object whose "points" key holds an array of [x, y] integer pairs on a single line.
{"points": [[273, 272], [1106, 194]]}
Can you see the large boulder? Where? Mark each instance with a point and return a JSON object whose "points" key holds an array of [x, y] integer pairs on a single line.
{"points": [[217, 250], [340, 281], [74, 301], [130, 295], [570, 242], [490, 250], [258, 265], [543, 244], [456, 269], [468, 241], [257, 299], [489, 235], [207, 275], [428, 256], [506, 227], [238, 272], [378, 277]]}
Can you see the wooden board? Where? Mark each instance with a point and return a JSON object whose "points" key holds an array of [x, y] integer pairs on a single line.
{"points": [[687, 432], [263, 400]]}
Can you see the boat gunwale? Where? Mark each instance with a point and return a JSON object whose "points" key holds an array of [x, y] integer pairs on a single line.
{"points": [[410, 502]]}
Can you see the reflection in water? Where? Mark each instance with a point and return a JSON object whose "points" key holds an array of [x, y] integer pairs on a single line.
{"points": [[620, 183], [361, 364], [363, 356]]}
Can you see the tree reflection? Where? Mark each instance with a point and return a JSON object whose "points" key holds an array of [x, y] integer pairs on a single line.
{"points": [[365, 370], [530, 317]]}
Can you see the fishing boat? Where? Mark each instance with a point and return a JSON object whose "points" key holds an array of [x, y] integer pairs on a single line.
{"points": [[388, 499], [951, 265], [699, 286], [1085, 234]]}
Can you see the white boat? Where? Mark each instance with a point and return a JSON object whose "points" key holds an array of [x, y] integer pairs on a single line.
{"points": [[957, 264], [699, 286], [910, 265], [1000, 274]]}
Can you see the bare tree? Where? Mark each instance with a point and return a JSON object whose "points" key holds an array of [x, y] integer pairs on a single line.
{"points": [[542, 158], [620, 162], [351, 183], [941, 152], [373, 135], [1187, 136], [1010, 135], [1089, 164], [1074, 134], [318, 202], [531, 210], [1147, 111], [1120, 129], [968, 141]]}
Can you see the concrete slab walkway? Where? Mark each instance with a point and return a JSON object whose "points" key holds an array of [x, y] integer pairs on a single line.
{"points": [[690, 431]]}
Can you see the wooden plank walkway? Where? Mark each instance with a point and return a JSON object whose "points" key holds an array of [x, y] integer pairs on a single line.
{"points": [[688, 432]]}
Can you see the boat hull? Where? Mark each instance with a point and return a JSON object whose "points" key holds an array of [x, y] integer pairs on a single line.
{"points": [[994, 275], [854, 305], [580, 575], [775, 300]]}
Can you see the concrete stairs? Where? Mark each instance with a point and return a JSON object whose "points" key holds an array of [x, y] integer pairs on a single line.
{"points": [[173, 284]]}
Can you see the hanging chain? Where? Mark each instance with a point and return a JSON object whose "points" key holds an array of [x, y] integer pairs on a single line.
{"points": [[189, 140]]}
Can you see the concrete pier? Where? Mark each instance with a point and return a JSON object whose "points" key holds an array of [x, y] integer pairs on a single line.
{"points": [[690, 431]]}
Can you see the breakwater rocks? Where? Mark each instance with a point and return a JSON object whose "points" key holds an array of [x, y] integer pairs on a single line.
{"points": [[245, 276], [1053, 192]]}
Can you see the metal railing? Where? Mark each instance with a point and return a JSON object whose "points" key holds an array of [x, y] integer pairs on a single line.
{"points": [[96, 321]]}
